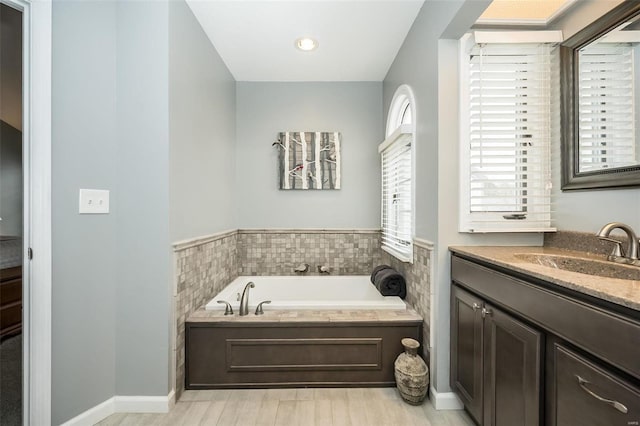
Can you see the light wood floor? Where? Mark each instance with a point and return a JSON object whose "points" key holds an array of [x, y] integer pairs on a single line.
{"points": [[289, 407]]}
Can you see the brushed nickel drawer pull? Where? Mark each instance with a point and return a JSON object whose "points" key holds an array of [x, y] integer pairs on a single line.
{"points": [[476, 306], [615, 404], [486, 312]]}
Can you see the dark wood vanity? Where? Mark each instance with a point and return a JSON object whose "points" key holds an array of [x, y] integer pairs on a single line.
{"points": [[525, 351], [10, 301]]}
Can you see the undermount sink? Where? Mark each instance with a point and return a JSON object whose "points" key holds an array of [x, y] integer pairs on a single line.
{"points": [[583, 265]]}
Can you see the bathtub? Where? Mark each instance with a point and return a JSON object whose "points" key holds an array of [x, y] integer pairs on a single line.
{"points": [[310, 292]]}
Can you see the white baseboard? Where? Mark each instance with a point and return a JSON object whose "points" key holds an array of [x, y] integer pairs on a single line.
{"points": [[123, 404], [445, 400], [144, 404], [93, 415]]}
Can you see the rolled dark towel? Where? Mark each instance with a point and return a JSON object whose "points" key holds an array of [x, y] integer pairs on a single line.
{"points": [[376, 270], [390, 283]]}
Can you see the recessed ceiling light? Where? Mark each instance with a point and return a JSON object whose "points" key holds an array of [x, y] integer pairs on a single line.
{"points": [[306, 44]]}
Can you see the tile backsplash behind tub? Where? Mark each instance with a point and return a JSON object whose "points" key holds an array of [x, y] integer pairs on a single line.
{"points": [[278, 252], [203, 267], [418, 277]]}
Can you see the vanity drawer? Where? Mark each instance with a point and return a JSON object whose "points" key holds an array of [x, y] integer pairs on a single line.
{"points": [[578, 403], [10, 291], [605, 334]]}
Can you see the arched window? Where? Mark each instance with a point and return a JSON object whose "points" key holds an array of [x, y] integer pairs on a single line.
{"points": [[397, 176]]}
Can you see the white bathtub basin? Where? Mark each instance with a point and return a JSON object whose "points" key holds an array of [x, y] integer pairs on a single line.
{"points": [[314, 292]]}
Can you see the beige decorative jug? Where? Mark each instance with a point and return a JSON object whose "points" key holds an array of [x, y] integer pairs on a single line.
{"points": [[411, 372]]}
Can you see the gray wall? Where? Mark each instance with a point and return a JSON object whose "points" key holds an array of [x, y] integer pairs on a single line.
{"points": [[110, 272], [143, 255], [84, 155], [588, 210], [264, 110], [417, 65], [430, 66], [202, 129], [582, 14]]}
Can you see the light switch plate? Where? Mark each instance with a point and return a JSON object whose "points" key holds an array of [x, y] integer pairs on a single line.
{"points": [[94, 201]]}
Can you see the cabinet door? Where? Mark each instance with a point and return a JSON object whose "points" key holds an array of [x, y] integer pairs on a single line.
{"points": [[589, 395], [466, 350], [512, 370]]}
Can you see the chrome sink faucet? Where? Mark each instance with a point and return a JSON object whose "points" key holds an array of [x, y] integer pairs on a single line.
{"points": [[630, 255], [244, 300]]}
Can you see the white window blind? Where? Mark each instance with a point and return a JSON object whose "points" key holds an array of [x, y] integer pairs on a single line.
{"points": [[396, 193], [507, 139], [606, 96]]}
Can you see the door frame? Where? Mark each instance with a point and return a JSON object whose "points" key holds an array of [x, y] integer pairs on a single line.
{"points": [[36, 134]]}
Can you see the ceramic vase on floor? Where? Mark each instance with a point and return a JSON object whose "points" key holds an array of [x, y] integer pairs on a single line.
{"points": [[411, 372]]}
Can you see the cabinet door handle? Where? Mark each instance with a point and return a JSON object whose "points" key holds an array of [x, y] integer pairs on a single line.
{"points": [[615, 404], [486, 312], [476, 306]]}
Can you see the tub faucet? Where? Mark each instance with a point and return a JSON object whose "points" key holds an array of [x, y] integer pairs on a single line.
{"points": [[323, 269], [302, 268], [244, 300], [630, 255]]}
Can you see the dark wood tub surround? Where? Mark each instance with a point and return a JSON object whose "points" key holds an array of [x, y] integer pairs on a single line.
{"points": [[526, 351], [280, 353]]}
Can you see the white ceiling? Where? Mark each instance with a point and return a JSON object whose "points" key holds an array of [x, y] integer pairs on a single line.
{"points": [[358, 39]]}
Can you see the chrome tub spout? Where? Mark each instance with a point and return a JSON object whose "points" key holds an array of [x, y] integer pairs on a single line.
{"points": [[244, 300]]}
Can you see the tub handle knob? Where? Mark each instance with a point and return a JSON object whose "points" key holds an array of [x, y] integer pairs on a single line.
{"points": [[323, 269], [259, 310], [228, 310], [302, 268]]}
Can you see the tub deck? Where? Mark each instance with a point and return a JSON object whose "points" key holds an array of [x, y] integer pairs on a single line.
{"points": [[296, 348], [307, 315]]}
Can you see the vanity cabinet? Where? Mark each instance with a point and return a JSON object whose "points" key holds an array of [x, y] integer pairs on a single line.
{"points": [[466, 350], [496, 362], [588, 394], [526, 353], [10, 301]]}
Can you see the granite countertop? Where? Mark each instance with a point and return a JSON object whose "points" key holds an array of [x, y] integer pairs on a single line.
{"points": [[620, 291], [321, 316]]}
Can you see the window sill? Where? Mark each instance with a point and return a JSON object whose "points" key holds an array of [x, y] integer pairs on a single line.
{"points": [[506, 230]]}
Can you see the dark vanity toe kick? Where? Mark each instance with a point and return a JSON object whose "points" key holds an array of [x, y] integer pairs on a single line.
{"points": [[610, 336]]}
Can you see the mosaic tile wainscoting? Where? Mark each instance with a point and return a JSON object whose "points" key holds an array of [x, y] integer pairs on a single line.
{"points": [[418, 277], [278, 252], [203, 267]]}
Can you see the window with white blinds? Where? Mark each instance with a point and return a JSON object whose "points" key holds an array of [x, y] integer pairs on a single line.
{"points": [[397, 211], [506, 138], [606, 98]]}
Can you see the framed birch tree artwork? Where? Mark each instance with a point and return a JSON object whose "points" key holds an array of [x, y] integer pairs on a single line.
{"points": [[309, 160]]}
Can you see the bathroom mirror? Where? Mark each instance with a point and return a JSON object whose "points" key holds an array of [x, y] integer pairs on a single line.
{"points": [[600, 97]]}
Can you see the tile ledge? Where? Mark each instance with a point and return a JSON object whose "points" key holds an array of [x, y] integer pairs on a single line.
{"points": [[426, 244], [185, 244], [309, 230], [192, 242]]}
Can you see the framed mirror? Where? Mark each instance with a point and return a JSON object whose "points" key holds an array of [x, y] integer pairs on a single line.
{"points": [[600, 99]]}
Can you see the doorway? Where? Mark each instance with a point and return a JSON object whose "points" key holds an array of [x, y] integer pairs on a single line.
{"points": [[11, 215]]}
